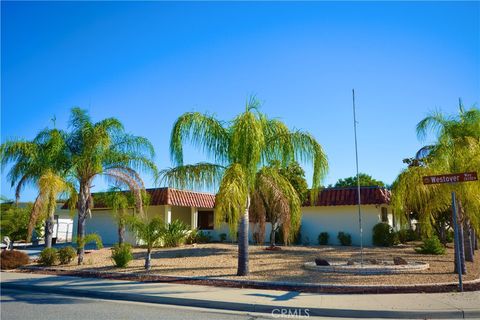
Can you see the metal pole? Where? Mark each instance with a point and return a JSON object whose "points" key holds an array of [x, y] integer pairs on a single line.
{"points": [[358, 180], [457, 243]]}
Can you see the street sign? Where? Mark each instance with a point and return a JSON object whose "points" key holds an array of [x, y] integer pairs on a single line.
{"points": [[451, 178], [454, 178]]}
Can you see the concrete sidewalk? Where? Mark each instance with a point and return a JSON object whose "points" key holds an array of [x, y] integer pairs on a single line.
{"points": [[431, 306]]}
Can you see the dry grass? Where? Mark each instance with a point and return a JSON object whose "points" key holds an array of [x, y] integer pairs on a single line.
{"points": [[220, 261]]}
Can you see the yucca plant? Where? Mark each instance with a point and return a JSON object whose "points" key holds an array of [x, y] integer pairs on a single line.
{"points": [[175, 233], [238, 148]]}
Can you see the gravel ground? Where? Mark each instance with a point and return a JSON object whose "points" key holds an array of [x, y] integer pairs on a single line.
{"points": [[220, 260]]}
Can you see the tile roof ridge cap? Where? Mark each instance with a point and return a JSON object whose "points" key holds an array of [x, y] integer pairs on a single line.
{"points": [[192, 191]]}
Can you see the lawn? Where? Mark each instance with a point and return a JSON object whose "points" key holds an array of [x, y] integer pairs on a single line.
{"points": [[220, 261]]}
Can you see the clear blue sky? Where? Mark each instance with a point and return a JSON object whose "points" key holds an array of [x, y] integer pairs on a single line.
{"points": [[147, 63]]}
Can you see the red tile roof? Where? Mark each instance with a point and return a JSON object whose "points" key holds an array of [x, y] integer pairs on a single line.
{"points": [[169, 196], [326, 197], [182, 198], [348, 196]]}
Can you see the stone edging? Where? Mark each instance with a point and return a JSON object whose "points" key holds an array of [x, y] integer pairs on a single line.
{"points": [[369, 269], [471, 285]]}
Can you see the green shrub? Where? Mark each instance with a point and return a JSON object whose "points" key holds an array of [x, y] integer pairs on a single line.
{"points": [[175, 233], [12, 259], [191, 237], [66, 255], [122, 255], [449, 236], [223, 237], [431, 245], [323, 238], [203, 237], [48, 256], [407, 235], [344, 238], [88, 238], [383, 235]]}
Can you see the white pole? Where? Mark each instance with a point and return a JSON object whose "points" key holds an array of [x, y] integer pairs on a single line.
{"points": [[358, 180]]}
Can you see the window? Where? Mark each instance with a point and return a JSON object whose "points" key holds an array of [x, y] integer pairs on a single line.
{"points": [[205, 220], [384, 215]]}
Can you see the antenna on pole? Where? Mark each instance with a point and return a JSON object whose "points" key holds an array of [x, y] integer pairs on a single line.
{"points": [[358, 179]]}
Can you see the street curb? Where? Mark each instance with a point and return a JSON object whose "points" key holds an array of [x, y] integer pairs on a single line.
{"points": [[272, 285], [246, 307]]}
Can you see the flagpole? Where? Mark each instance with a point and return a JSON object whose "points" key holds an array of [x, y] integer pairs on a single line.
{"points": [[358, 180]]}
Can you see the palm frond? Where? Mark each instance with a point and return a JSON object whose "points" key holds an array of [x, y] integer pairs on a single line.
{"points": [[199, 176], [202, 131]]}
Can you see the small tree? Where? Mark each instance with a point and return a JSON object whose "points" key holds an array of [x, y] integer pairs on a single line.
{"points": [[365, 181], [14, 222], [150, 232]]}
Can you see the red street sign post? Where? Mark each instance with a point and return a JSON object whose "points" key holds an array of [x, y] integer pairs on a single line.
{"points": [[454, 178]]}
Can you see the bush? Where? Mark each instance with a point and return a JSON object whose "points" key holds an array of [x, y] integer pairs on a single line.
{"points": [[66, 255], [344, 238], [12, 259], [383, 235], [323, 238], [191, 237], [406, 235], [223, 237], [48, 256], [203, 237], [122, 255], [175, 233], [431, 245]]}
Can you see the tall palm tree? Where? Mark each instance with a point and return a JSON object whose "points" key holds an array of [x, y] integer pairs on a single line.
{"points": [[238, 149], [104, 149], [40, 162], [456, 149]]}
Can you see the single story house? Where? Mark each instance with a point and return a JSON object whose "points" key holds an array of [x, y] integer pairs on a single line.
{"points": [[334, 210]]}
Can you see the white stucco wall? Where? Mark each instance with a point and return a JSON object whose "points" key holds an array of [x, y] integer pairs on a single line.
{"points": [[333, 219]]}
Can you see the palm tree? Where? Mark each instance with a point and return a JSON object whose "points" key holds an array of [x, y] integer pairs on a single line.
{"points": [[238, 149], [150, 232], [119, 202], [457, 149], [41, 162], [276, 200], [104, 149]]}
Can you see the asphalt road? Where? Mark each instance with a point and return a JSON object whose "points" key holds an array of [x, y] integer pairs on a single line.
{"points": [[24, 305]]}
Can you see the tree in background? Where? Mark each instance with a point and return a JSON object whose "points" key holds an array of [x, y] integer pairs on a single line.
{"points": [[365, 181], [238, 149], [14, 221]]}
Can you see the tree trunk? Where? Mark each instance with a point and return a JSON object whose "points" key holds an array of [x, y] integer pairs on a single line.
{"points": [[242, 269], [49, 231], [467, 239], [121, 233], [272, 235], [148, 259], [443, 237], [475, 238], [83, 202], [461, 249], [472, 238]]}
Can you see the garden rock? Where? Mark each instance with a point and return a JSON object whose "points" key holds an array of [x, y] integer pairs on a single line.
{"points": [[321, 262], [399, 261]]}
